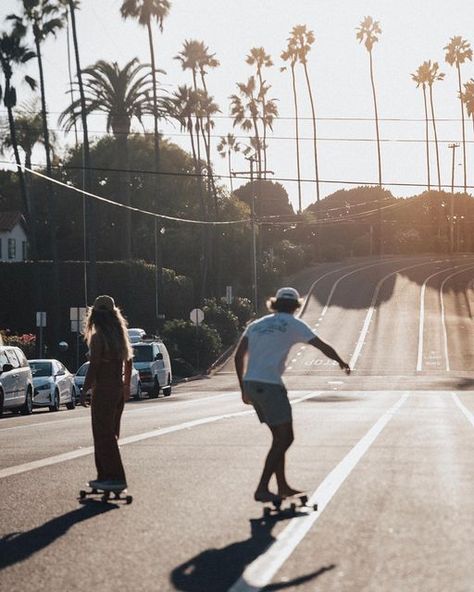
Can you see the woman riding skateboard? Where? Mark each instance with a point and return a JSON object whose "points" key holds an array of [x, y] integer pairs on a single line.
{"points": [[108, 375], [264, 345]]}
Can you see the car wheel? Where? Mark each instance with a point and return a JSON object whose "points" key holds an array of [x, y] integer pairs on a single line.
{"points": [[167, 389], [56, 402], [155, 390], [27, 408], [72, 402], [138, 395]]}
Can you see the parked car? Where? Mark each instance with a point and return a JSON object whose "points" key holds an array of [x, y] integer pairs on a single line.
{"points": [[135, 335], [16, 381], [135, 383], [53, 385], [152, 361]]}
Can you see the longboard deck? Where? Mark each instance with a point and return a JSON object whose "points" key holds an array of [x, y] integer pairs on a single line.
{"points": [[106, 495], [290, 505]]}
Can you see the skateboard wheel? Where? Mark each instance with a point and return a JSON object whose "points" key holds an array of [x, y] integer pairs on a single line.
{"points": [[266, 512], [315, 507], [293, 507], [304, 500], [82, 494], [117, 494], [94, 491], [128, 499]]}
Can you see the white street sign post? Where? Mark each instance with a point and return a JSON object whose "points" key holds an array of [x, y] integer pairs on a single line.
{"points": [[197, 317], [40, 323], [228, 295]]}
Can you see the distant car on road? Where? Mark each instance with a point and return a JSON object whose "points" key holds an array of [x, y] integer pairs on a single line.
{"points": [[135, 335], [152, 361], [135, 383], [16, 381], [53, 385]]}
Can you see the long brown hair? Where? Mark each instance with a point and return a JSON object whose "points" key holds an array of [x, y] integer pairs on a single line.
{"points": [[108, 323]]}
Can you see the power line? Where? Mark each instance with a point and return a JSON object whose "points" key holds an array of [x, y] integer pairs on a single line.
{"points": [[245, 178]]}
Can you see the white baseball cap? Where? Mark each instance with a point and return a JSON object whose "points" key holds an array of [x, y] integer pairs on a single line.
{"points": [[287, 294]]}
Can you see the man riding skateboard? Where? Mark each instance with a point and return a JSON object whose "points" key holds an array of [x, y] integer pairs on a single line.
{"points": [[264, 345]]}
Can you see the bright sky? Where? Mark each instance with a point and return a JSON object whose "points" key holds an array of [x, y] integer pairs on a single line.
{"points": [[412, 31]]}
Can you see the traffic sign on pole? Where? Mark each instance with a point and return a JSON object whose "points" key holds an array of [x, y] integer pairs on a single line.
{"points": [[197, 316]]}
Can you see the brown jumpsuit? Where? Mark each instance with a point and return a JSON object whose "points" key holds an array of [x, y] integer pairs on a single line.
{"points": [[105, 376]]}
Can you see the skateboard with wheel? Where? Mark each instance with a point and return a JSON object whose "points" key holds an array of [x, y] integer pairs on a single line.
{"points": [[289, 505], [106, 495]]}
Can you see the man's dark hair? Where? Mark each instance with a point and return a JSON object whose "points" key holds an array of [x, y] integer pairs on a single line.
{"points": [[283, 305]]}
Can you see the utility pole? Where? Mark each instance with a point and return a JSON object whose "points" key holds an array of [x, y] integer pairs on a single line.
{"points": [[451, 200], [252, 159]]}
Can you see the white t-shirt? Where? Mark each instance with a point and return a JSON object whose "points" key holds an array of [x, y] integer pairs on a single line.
{"points": [[269, 341]]}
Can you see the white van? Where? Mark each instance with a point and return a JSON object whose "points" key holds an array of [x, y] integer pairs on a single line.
{"points": [[16, 381], [152, 361]]}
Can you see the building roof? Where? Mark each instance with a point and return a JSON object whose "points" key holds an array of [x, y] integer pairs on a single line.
{"points": [[8, 220]]}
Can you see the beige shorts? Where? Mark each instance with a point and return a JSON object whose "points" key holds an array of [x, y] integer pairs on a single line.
{"points": [[270, 402]]}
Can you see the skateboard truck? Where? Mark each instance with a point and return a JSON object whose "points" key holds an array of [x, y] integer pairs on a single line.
{"points": [[298, 501], [106, 495]]}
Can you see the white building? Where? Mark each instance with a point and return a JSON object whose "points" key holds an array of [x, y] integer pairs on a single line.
{"points": [[13, 239]]}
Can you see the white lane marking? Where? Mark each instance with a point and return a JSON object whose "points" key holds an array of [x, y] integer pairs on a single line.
{"points": [[443, 315], [419, 363], [370, 312], [463, 408], [58, 458], [146, 408], [260, 572]]}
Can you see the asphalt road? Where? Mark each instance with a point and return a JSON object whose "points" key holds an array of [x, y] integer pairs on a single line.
{"points": [[387, 453]]}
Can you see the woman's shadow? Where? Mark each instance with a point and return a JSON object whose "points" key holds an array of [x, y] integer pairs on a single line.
{"points": [[18, 546], [215, 570]]}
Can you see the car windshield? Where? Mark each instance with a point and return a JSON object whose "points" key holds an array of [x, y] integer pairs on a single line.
{"points": [[143, 353], [82, 370], [41, 369]]}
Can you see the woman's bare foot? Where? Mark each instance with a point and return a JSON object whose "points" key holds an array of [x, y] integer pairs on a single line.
{"points": [[288, 492], [265, 495]]}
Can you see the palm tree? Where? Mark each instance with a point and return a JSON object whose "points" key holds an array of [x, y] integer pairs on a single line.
{"points": [[458, 51], [245, 109], [14, 53], [123, 94], [227, 145], [433, 74], [468, 98], [260, 59], [421, 79], [290, 55], [368, 32], [147, 11], [303, 39]]}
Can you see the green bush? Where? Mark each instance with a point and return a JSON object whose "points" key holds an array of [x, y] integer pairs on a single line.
{"points": [[243, 310], [218, 315], [198, 346]]}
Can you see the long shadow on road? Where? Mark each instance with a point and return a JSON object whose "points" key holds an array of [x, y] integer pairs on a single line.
{"points": [[18, 546], [215, 570]]}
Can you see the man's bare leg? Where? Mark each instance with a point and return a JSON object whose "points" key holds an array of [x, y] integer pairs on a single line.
{"points": [[275, 464]]}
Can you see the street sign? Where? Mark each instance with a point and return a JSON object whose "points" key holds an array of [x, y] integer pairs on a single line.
{"points": [[77, 315], [41, 319], [228, 294], [197, 316]]}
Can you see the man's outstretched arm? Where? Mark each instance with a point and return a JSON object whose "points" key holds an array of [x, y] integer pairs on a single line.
{"points": [[330, 352], [239, 360]]}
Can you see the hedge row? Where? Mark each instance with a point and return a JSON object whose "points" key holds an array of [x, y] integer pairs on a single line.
{"points": [[132, 284]]}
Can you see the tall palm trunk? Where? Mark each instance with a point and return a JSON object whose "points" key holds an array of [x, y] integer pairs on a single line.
{"points": [[379, 211], [297, 135], [229, 157], [313, 117], [44, 118], [156, 136], [264, 147], [433, 119], [90, 229], [427, 141], [463, 128], [123, 189]]}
